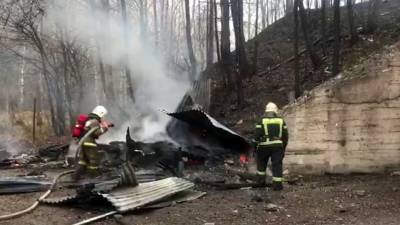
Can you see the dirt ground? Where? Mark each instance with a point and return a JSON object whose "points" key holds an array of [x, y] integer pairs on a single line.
{"points": [[330, 199]]}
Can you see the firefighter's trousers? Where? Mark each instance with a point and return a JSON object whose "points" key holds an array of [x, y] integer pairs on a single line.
{"points": [[89, 160], [264, 153]]}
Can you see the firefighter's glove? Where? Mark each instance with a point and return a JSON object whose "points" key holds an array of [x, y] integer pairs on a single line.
{"points": [[106, 124]]}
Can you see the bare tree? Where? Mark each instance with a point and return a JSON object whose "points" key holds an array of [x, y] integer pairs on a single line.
{"points": [[336, 31], [310, 49], [289, 6], [217, 47], [237, 17], [323, 26], [372, 17], [155, 22], [129, 83], [189, 43], [240, 53], [255, 51], [350, 16], [263, 13], [296, 49], [225, 42], [210, 32]]}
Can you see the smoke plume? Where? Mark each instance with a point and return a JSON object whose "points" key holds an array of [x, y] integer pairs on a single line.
{"points": [[155, 86]]}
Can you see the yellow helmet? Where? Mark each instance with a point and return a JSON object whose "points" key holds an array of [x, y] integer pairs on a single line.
{"points": [[271, 107]]}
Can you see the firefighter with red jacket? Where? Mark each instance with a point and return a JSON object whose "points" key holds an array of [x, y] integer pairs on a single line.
{"points": [[89, 157], [272, 138]]}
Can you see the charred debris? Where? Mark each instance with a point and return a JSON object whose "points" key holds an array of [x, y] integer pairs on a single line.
{"points": [[136, 175]]}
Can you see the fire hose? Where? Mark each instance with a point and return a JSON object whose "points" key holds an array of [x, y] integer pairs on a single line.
{"points": [[91, 131], [48, 192], [36, 203]]}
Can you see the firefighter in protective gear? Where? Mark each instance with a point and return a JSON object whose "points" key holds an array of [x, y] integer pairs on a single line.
{"points": [[90, 157], [272, 138]]}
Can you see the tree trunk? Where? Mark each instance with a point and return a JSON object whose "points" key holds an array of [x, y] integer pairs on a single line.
{"points": [[225, 42], [66, 78], [249, 20], [109, 85], [267, 6], [99, 52], [155, 24], [323, 26], [353, 33], [217, 47], [240, 53], [192, 58], [143, 19], [263, 14], [210, 33], [316, 4], [336, 31], [289, 6], [310, 49], [255, 53], [128, 76], [372, 16], [296, 49], [241, 56]]}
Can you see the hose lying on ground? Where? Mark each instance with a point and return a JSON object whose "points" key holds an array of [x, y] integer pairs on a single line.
{"points": [[32, 207], [47, 193]]}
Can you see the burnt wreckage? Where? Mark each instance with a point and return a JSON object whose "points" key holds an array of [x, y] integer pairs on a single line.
{"points": [[138, 175], [196, 137]]}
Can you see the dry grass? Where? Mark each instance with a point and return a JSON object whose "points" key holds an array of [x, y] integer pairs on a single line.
{"points": [[20, 127]]}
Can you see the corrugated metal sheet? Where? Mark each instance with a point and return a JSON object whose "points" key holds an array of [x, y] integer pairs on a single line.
{"points": [[125, 199], [199, 96], [10, 185], [184, 196], [201, 120], [201, 93]]}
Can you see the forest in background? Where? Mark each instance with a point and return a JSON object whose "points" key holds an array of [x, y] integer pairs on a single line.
{"points": [[140, 56]]}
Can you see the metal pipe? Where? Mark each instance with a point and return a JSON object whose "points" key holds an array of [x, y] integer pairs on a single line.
{"points": [[93, 219]]}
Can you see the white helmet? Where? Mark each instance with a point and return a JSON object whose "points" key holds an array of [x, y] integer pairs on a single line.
{"points": [[271, 107], [100, 111]]}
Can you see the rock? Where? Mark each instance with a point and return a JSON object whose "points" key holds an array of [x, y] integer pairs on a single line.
{"points": [[235, 211], [341, 209], [4, 154], [239, 122], [360, 193], [395, 173], [256, 198], [229, 162], [395, 189], [272, 207], [209, 223], [118, 216], [286, 172]]}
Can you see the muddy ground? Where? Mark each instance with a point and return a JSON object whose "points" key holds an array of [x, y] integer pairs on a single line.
{"points": [[333, 199]]}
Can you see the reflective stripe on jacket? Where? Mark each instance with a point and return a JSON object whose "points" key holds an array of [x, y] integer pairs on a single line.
{"points": [[272, 131]]}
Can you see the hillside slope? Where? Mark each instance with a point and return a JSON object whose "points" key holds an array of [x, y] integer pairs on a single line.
{"points": [[276, 46], [350, 123]]}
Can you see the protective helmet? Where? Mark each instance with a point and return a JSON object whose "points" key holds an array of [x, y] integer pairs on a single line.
{"points": [[100, 111], [271, 107]]}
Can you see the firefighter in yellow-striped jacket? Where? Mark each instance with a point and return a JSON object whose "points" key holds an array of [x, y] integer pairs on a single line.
{"points": [[90, 156], [272, 137]]}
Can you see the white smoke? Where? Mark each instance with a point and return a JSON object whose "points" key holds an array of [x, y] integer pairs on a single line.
{"points": [[154, 88]]}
